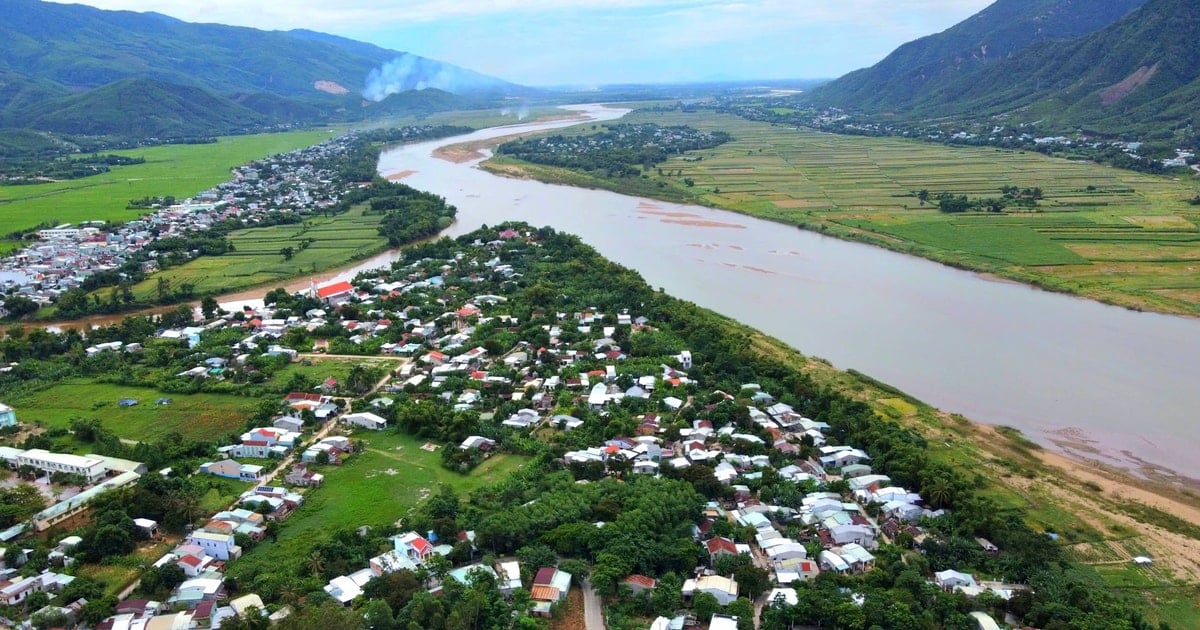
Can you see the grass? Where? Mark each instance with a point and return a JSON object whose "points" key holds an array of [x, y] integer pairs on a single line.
{"points": [[376, 487], [197, 416], [176, 170], [1118, 236], [256, 259]]}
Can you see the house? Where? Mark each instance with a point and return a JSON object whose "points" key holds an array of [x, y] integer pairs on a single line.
{"points": [[477, 442], [510, 576], [639, 583], [230, 469], [390, 562], [366, 420], [950, 580], [550, 586], [720, 546], [414, 546], [219, 546], [336, 293], [723, 588], [289, 423], [8, 416], [301, 476], [723, 622]]}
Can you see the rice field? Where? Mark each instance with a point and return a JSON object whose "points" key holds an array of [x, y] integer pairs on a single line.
{"points": [[319, 243], [179, 170], [1118, 236]]}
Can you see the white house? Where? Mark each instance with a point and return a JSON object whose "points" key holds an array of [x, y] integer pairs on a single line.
{"points": [[219, 546], [366, 420]]}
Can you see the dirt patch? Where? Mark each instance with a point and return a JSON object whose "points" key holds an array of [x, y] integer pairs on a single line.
{"points": [[329, 87], [1115, 93], [395, 177], [1094, 492], [1162, 221], [573, 614]]}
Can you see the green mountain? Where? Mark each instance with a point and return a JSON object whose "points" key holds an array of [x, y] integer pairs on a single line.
{"points": [[949, 62], [1140, 74], [75, 69], [146, 108]]}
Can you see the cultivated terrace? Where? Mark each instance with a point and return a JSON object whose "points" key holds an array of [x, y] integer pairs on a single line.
{"points": [[661, 460]]}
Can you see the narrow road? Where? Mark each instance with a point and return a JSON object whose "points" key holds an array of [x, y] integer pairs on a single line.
{"points": [[321, 433], [593, 611]]}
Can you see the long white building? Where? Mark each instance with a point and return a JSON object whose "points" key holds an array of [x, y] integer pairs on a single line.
{"points": [[89, 467]]}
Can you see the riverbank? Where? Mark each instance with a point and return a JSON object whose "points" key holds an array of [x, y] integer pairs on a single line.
{"points": [[1103, 514], [1117, 237]]}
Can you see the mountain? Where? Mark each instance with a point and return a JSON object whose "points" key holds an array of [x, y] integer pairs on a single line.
{"points": [[146, 108], [1140, 74], [60, 64], [942, 63]]}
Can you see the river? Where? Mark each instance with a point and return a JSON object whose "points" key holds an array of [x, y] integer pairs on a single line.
{"points": [[1088, 378]]}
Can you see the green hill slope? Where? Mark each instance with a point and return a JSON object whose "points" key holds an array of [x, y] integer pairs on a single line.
{"points": [[146, 108], [938, 63]]}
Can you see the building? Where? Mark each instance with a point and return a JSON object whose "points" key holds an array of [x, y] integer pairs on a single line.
{"points": [[366, 420], [90, 468], [219, 546], [550, 586], [335, 293], [230, 469], [8, 417]]}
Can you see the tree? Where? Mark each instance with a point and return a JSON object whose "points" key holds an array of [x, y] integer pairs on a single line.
{"points": [[162, 288], [287, 252], [19, 306], [377, 615], [209, 307], [705, 605]]}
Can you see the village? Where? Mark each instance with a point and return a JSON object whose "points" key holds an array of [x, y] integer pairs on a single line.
{"points": [[93, 254], [443, 319]]}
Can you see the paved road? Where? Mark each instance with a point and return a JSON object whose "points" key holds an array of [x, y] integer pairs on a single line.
{"points": [[593, 611]]}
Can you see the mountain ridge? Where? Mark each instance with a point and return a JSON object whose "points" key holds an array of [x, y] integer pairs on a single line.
{"points": [[965, 58], [53, 55]]}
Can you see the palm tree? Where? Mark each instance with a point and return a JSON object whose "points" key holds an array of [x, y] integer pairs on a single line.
{"points": [[316, 563]]}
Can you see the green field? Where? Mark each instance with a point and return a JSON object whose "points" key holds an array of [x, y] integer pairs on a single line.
{"points": [[179, 170], [376, 487], [197, 416], [256, 259], [1109, 234]]}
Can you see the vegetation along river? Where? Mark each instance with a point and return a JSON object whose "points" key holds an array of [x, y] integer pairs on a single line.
{"points": [[1096, 380]]}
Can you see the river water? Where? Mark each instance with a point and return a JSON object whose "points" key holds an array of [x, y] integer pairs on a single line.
{"points": [[1089, 378]]}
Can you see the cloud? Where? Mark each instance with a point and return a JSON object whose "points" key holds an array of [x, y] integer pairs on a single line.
{"points": [[358, 14], [598, 41]]}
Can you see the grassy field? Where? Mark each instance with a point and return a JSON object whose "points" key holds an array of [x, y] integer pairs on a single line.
{"points": [[256, 259], [199, 416], [376, 487], [179, 170], [1114, 235]]}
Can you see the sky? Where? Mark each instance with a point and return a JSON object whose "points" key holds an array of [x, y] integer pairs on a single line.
{"points": [[597, 42]]}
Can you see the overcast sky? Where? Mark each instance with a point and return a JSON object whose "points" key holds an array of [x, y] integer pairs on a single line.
{"points": [[592, 42]]}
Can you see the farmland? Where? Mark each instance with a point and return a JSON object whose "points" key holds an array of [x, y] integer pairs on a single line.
{"points": [[376, 487], [1113, 235], [178, 170], [198, 416], [319, 243]]}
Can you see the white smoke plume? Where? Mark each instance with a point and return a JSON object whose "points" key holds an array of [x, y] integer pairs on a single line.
{"points": [[410, 72]]}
